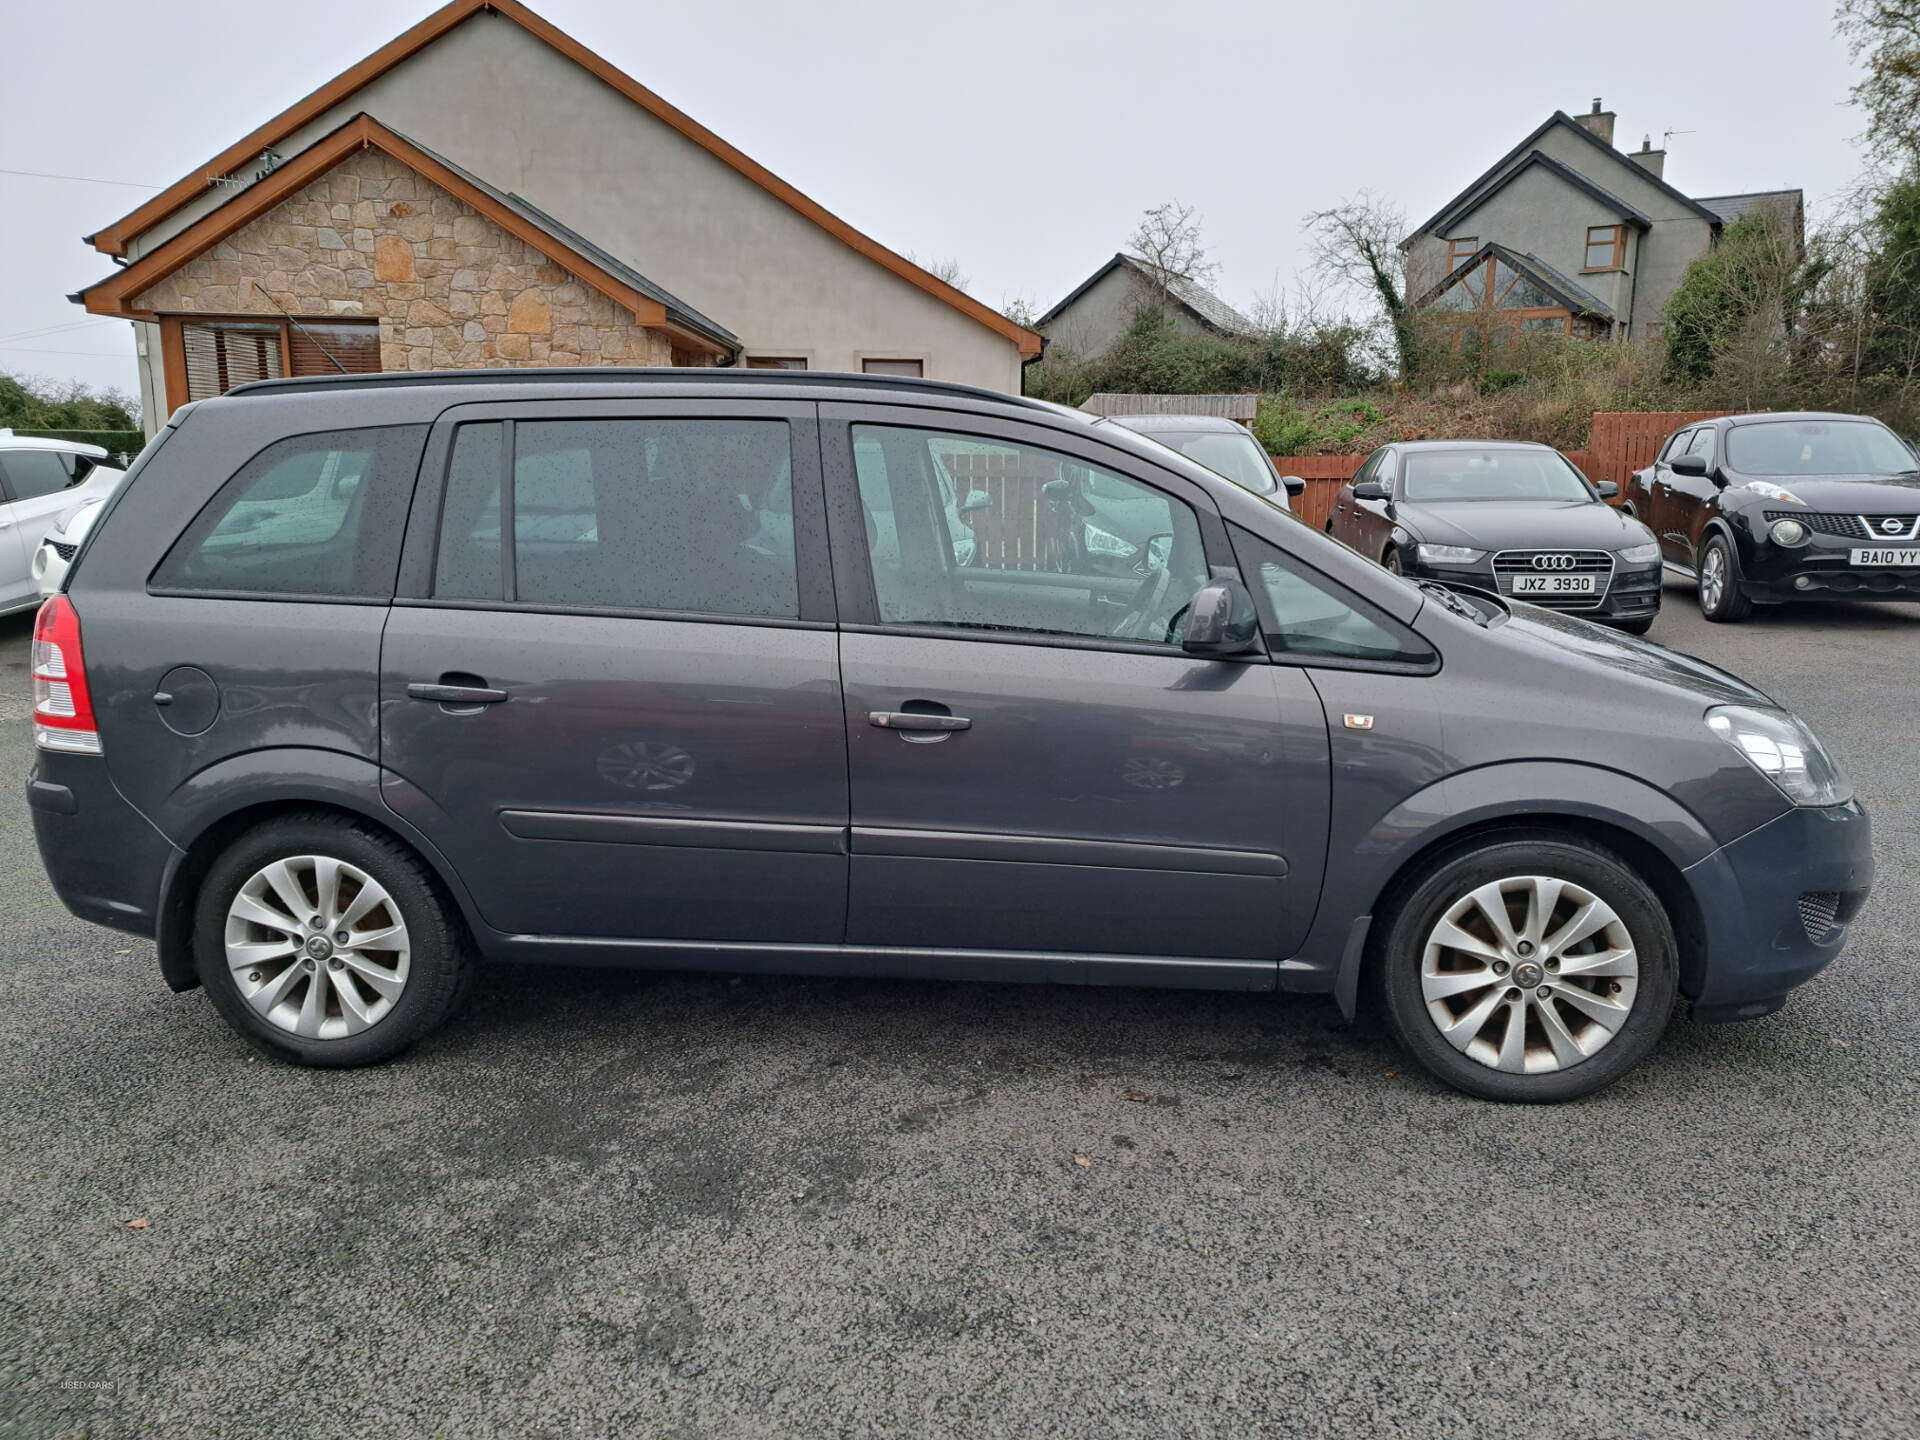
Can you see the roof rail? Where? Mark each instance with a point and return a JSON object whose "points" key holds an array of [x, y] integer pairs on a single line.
{"points": [[618, 374]]}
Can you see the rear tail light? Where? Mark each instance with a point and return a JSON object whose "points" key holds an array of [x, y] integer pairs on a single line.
{"points": [[62, 708]]}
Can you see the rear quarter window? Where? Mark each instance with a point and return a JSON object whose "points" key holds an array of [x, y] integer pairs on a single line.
{"points": [[314, 515]]}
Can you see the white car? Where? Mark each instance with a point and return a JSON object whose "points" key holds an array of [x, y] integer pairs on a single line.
{"points": [[62, 543], [43, 485]]}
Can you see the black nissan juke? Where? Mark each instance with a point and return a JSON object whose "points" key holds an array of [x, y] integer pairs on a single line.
{"points": [[1765, 508], [1517, 519]]}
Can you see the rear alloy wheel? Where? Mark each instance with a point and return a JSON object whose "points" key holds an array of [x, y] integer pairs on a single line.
{"points": [[326, 943], [1530, 970], [1721, 599]]}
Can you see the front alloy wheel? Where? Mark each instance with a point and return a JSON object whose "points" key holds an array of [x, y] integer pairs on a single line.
{"points": [[1721, 599], [1529, 974], [1531, 967]]}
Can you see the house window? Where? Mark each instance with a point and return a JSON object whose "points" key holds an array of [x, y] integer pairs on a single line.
{"points": [[776, 362], [221, 354], [1606, 247], [1459, 251], [892, 367]]}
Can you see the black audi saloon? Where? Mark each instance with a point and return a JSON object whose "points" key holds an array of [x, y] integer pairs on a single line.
{"points": [[1514, 518], [1765, 508]]}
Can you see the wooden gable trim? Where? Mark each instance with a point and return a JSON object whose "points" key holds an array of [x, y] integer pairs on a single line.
{"points": [[114, 238], [115, 294]]}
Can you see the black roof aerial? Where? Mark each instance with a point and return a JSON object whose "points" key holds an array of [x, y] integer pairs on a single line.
{"points": [[620, 375]]}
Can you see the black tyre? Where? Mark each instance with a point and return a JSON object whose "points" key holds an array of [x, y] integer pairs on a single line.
{"points": [[326, 942], [1721, 599], [1635, 627], [1559, 998], [1392, 561]]}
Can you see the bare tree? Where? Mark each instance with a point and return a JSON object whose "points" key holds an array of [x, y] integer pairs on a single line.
{"points": [[1884, 35], [946, 271], [1167, 241], [1357, 243]]}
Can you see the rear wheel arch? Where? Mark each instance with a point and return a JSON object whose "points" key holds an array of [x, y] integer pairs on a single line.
{"points": [[180, 887]]}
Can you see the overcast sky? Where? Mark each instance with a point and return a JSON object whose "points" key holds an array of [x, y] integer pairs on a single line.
{"points": [[1021, 140]]}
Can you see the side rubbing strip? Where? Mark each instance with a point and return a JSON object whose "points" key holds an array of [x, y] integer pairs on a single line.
{"points": [[690, 834], [1046, 850]]}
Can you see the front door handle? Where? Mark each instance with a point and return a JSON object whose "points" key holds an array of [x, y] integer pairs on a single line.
{"points": [[456, 694], [919, 727]]}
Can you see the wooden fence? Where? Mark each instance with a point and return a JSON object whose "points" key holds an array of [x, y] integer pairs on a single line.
{"points": [[1621, 443]]}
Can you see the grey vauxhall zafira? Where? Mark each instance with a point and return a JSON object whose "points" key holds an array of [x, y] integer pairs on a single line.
{"points": [[359, 681]]}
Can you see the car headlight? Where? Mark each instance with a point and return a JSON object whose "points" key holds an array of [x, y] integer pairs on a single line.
{"points": [[1642, 553], [1789, 532], [1448, 554], [1774, 492], [963, 550], [1780, 746], [1103, 542]]}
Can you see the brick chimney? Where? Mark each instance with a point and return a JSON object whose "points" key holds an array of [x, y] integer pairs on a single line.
{"points": [[1597, 123], [1653, 161]]}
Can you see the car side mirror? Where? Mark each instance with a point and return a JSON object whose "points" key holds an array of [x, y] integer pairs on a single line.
{"points": [[1688, 464], [1295, 485], [1370, 490], [976, 500], [1607, 489], [1221, 620], [1061, 493]]}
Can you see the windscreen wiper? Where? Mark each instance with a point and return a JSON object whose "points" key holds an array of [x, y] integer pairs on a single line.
{"points": [[1454, 601]]}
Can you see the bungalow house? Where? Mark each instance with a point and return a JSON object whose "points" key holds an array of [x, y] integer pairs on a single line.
{"points": [[1101, 307], [486, 191], [1566, 234]]}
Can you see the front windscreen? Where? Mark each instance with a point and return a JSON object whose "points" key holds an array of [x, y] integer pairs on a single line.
{"points": [[1238, 457], [1816, 447], [1491, 474]]}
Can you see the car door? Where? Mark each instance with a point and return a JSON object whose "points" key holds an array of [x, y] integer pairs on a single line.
{"points": [[1660, 499], [1041, 780], [610, 687], [1687, 497], [1345, 522], [34, 490]]}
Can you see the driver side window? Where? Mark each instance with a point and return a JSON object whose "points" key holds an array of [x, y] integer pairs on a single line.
{"points": [[979, 534]]}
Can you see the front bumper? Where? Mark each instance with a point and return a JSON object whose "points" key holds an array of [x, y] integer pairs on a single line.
{"points": [[1776, 904], [1823, 569], [1633, 592]]}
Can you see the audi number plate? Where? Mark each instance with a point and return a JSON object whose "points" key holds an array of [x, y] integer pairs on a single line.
{"points": [[1555, 584], [1909, 555]]}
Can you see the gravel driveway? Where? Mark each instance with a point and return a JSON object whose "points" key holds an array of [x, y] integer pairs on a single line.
{"points": [[621, 1204]]}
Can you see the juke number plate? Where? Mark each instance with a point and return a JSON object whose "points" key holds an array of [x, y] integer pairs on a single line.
{"points": [[1908, 555]]}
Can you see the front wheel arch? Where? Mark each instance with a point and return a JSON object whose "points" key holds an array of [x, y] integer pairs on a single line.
{"points": [[1660, 869]]}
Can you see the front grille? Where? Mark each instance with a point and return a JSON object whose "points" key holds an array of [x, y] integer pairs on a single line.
{"points": [[1598, 563], [1818, 909], [1848, 525], [1909, 527], [65, 552]]}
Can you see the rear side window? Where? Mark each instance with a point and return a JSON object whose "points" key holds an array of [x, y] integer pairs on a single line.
{"points": [[692, 516], [314, 515], [1310, 619], [31, 473]]}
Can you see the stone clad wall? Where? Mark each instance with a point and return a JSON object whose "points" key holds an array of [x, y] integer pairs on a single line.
{"points": [[371, 239]]}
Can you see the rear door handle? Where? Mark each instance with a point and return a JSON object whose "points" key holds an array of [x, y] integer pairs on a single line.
{"points": [[456, 694]]}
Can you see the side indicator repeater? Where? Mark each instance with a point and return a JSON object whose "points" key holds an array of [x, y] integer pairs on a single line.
{"points": [[1359, 722]]}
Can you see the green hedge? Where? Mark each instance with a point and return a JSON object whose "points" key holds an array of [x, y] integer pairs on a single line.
{"points": [[128, 442]]}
